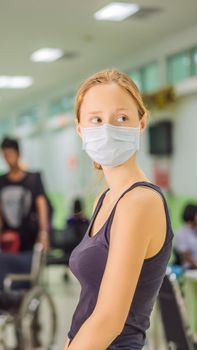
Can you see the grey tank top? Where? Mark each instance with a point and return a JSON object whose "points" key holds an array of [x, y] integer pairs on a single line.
{"points": [[88, 261]]}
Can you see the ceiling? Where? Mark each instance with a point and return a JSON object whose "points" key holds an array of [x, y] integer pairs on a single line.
{"points": [[26, 26]]}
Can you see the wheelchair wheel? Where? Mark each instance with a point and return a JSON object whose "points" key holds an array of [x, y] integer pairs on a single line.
{"points": [[6, 323], [37, 323]]}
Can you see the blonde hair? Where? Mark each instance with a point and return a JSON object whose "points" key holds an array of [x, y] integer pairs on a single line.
{"points": [[109, 76]]}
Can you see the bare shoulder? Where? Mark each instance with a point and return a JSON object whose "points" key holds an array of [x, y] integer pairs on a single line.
{"points": [[143, 198], [142, 210]]}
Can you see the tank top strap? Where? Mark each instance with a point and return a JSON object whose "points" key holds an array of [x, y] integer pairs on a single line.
{"points": [[98, 205], [140, 184]]}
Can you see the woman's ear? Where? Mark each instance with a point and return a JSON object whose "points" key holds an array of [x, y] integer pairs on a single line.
{"points": [[143, 123], [77, 126]]}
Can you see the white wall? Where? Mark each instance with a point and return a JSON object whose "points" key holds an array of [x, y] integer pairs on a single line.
{"points": [[184, 162], [54, 154]]}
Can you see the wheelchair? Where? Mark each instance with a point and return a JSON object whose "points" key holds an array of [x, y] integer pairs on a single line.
{"points": [[29, 311], [173, 311]]}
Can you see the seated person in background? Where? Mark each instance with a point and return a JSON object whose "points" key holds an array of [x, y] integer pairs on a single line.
{"points": [[78, 212], [23, 213], [185, 239], [76, 224]]}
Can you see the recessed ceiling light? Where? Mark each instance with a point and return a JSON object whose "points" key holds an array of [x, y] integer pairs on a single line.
{"points": [[46, 55], [116, 11], [15, 82]]}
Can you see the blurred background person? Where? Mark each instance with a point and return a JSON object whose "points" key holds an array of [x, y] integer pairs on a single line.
{"points": [[23, 213], [76, 226], [185, 241], [78, 214]]}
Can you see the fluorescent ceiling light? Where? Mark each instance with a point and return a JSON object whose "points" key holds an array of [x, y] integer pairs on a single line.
{"points": [[46, 55], [116, 11], [15, 82]]}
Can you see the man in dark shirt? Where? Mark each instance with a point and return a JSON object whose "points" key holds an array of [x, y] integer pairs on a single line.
{"points": [[23, 205]]}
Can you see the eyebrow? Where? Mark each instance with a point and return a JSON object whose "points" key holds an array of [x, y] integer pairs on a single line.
{"points": [[117, 110]]}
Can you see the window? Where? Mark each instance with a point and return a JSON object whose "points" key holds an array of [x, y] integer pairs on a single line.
{"points": [[6, 127], [55, 108], [68, 102], [151, 77], [179, 67], [194, 61], [62, 105], [136, 77], [28, 117]]}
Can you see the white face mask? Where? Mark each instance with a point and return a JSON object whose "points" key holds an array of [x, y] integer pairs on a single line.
{"points": [[110, 145]]}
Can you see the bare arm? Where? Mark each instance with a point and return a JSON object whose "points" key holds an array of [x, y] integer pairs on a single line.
{"points": [[125, 259], [42, 209]]}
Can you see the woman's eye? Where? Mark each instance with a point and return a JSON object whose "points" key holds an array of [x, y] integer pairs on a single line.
{"points": [[96, 120], [122, 118]]}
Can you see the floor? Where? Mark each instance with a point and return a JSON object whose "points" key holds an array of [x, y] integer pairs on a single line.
{"points": [[65, 295]]}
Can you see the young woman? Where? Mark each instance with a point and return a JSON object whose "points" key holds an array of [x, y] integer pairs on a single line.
{"points": [[122, 259]]}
